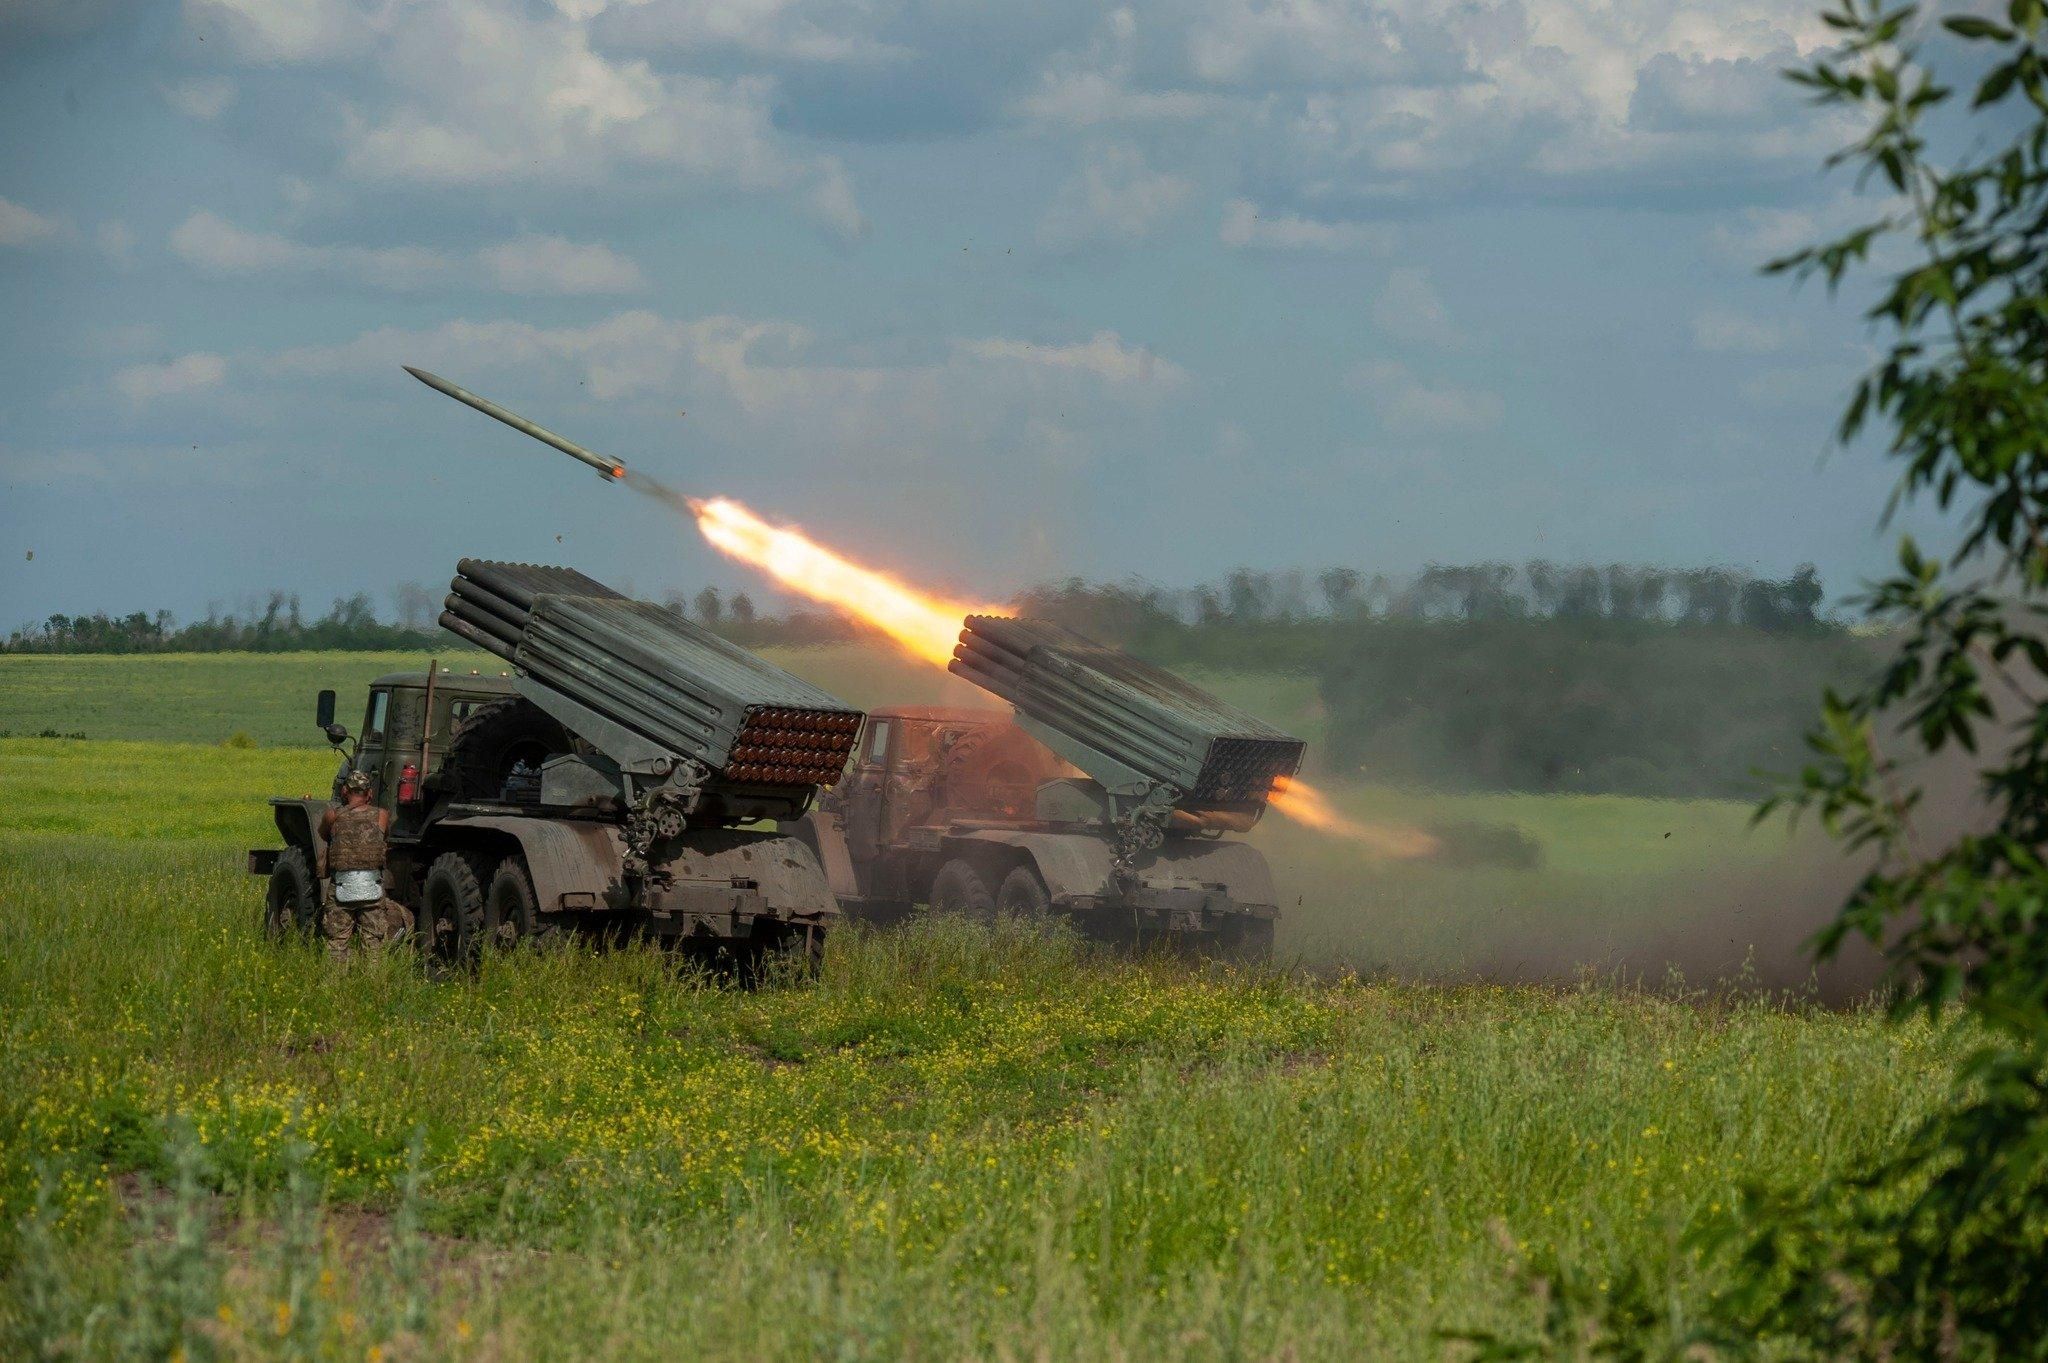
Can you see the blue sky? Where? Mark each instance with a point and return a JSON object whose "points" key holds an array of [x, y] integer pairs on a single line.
{"points": [[988, 295]]}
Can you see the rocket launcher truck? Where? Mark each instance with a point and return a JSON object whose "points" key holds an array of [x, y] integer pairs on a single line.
{"points": [[1104, 796], [602, 778]]}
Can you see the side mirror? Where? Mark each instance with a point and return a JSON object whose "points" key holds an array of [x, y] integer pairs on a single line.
{"points": [[323, 710], [336, 735]]}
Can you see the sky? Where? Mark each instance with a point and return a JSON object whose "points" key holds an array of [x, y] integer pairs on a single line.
{"points": [[984, 294]]}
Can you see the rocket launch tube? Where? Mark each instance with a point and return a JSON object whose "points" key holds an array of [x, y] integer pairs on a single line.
{"points": [[610, 468]]}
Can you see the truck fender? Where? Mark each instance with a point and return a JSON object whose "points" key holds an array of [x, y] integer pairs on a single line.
{"points": [[825, 835], [298, 823], [1238, 867], [1070, 864], [783, 869], [1081, 864], [575, 864]]}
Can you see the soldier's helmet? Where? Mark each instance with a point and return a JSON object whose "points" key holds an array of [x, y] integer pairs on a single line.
{"points": [[356, 783]]}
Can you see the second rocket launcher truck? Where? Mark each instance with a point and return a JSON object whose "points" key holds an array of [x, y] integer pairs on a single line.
{"points": [[604, 780], [1103, 798]]}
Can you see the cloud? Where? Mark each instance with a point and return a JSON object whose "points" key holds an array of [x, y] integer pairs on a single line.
{"points": [[528, 264], [271, 31], [1406, 403], [464, 93], [1036, 408], [186, 374], [1722, 331], [1408, 309], [1330, 105], [1246, 226], [24, 227], [1104, 355], [201, 97], [756, 363], [537, 264], [1112, 196]]}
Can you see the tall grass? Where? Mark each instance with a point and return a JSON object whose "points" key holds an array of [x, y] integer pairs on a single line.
{"points": [[956, 1142]]}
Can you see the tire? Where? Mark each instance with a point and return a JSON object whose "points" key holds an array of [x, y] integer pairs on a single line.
{"points": [[492, 740], [1023, 894], [512, 910], [291, 902], [1249, 943], [451, 922], [959, 888]]}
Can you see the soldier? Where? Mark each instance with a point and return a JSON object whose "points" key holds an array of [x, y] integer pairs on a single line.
{"points": [[355, 862]]}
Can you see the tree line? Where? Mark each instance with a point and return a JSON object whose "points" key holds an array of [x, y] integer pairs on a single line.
{"points": [[1154, 620]]}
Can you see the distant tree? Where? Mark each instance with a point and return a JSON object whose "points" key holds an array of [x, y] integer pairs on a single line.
{"points": [[414, 605], [710, 607], [1579, 595], [1340, 589], [1709, 595], [1545, 585], [1248, 594], [742, 609]]}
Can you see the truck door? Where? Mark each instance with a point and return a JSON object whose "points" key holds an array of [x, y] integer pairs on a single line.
{"points": [[374, 743], [867, 791]]}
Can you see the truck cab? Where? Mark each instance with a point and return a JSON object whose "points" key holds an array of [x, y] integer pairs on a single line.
{"points": [[409, 721], [964, 811]]}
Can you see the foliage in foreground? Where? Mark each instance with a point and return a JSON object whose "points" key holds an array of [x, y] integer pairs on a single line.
{"points": [[956, 1143], [1939, 1249]]}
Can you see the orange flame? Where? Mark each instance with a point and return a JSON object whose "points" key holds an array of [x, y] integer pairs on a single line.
{"points": [[926, 626], [1306, 805]]}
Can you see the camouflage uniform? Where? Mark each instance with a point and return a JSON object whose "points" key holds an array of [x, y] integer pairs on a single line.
{"points": [[356, 844]]}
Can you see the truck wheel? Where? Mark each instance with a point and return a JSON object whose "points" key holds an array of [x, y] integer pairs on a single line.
{"points": [[959, 888], [291, 904], [495, 738], [1023, 894], [451, 916], [512, 910]]}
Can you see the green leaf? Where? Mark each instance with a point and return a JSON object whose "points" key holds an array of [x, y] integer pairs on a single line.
{"points": [[1978, 29], [1995, 85]]}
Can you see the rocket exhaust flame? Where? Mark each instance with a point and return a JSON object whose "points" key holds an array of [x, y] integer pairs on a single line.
{"points": [[925, 626], [1306, 805]]}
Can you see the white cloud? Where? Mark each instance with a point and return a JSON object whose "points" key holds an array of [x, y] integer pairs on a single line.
{"points": [[1095, 87], [478, 92], [1104, 355], [289, 30], [214, 245], [1723, 331], [1335, 103], [529, 264], [537, 264], [201, 97], [1406, 403], [23, 227], [1113, 195], [1250, 227], [186, 374], [787, 30], [1408, 309]]}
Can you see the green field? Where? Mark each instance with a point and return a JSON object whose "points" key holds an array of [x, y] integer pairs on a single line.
{"points": [[956, 1142], [268, 697]]}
